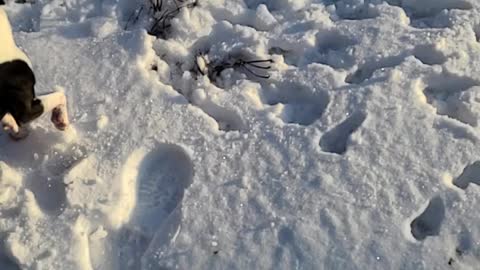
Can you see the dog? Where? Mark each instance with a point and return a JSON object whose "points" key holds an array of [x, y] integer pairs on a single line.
{"points": [[18, 103]]}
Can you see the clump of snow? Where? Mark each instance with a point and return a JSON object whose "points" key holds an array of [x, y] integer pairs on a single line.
{"points": [[10, 185], [264, 20], [247, 134]]}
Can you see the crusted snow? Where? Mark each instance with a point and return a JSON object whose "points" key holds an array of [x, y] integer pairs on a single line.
{"points": [[360, 151]]}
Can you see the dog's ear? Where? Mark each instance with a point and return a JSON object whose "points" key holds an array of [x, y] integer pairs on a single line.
{"points": [[2, 2]]}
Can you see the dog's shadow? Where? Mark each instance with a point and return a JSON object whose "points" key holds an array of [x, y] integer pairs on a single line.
{"points": [[24, 153], [43, 157]]}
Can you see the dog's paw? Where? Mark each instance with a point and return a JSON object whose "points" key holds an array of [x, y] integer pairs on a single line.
{"points": [[20, 135], [9, 124], [59, 118]]}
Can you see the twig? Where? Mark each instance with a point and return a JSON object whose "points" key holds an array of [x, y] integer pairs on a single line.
{"points": [[217, 67], [137, 12]]}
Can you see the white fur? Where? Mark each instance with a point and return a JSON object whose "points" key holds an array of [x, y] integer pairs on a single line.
{"points": [[52, 101], [8, 49], [9, 123]]}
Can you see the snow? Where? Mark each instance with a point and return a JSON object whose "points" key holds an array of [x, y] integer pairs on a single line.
{"points": [[359, 151]]}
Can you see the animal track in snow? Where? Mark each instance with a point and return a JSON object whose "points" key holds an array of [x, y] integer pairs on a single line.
{"points": [[288, 254], [301, 105], [464, 241], [476, 30], [441, 20], [453, 96], [226, 119], [277, 50], [289, 57], [334, 49], [470, 174], [429, 55], [253, 4], [365, 71], [431, 9], [429, 222], [336, 140], [431, 14], [332, 40], [345, 11], [464, 245], [48, 186], [163, 175]]}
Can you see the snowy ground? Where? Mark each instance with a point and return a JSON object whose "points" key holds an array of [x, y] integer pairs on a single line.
{"points": [[361, 151]]}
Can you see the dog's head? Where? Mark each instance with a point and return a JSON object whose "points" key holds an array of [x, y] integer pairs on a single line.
{"points": [[17, 94]]}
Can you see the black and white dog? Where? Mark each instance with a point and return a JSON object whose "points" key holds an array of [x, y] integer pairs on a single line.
{"points": [[18, 103]]}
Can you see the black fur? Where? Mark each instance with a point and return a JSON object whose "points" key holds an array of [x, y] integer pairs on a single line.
{"points": [[17, 95], [2, 2]]}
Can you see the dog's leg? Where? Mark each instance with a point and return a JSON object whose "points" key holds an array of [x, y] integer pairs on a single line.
{"points": [[57, 104], [9, 123]]}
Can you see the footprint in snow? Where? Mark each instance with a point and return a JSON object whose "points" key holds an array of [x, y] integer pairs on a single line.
{"points": [[163, 175], [336, 140], [429, 222], [470, 174], [299, 104], [453, 96]]}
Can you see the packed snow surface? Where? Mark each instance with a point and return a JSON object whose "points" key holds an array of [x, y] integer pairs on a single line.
{"points": [[248, 134]]}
